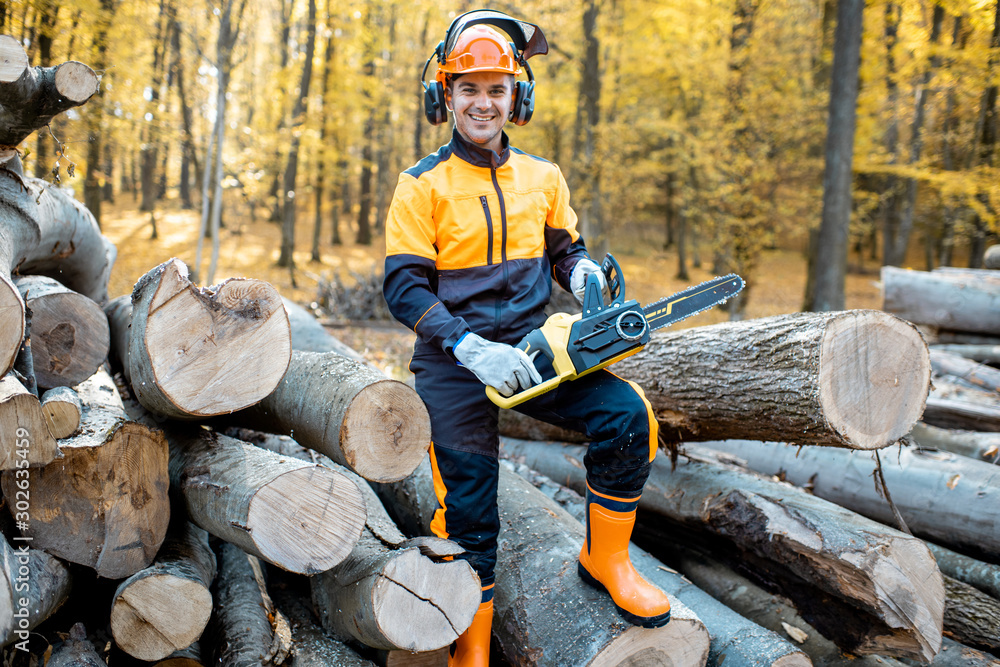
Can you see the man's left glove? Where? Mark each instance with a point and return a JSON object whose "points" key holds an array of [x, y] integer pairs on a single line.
{"points": [[501, 366], [578, 279]]}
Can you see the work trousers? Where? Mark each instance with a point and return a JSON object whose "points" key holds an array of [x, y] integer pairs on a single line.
{"points": [[611, 412]]}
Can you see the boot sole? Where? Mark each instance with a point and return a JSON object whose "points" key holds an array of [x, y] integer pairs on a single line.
{"points": [[644, 621]]}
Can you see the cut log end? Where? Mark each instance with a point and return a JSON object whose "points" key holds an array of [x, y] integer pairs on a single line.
{"points": [[61, 408], [296, 509], [437, 612], [676, 644], [11, 322], [210, 353], [386, 432], [145, 621], [13, 59], [76, 82], [869, 398]]}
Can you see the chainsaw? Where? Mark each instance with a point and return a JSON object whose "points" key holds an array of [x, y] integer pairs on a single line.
{"points": [[604, 333]]}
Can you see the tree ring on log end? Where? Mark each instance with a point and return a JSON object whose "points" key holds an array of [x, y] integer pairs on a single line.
{"points": [[874, 377], [676, 644], [211, 354], [160, 614], [437, 609], [307, 520], [386, 431], [62, 356], [13, 59], [75, 81], [12, 329]]}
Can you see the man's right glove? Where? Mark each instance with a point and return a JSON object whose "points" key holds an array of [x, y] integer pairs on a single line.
{"points": [[503, 367]]}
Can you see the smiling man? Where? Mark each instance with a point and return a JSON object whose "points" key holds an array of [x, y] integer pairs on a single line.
{"points": [[475, 234]]}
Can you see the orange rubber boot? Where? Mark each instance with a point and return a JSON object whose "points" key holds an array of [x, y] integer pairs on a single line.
{"points": [[605, 564], [472, 648]]}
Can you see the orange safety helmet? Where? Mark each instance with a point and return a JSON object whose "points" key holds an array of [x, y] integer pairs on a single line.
{"points": [[479, 48]]}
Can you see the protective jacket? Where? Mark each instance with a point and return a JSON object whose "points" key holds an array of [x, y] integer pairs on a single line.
{"points": [[473, 239]]}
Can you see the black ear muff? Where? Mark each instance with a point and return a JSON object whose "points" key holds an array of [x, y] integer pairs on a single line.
{"points": [[524, 102], [434, 106]]}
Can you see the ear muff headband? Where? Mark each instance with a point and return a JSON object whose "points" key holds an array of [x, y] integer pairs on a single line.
{"points": [[528, 41]]}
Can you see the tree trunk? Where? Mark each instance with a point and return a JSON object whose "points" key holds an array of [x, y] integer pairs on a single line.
{"points": [[970, 372], [377, 427], [591, 214], [61, 408], [189, 155], [69, 332], [150, 141], [104, 504], [322, 152], [247, 628], [38, 592], [736, 641], [973, 444], [895, 588], [971, 617], [963, 301], [950, 499], [544, 614], [773, 612], [983, 576], [48, 12], [191, 353], [303, 518], [308, 335], [26, 436], [855, 379], [165, 607], [76, 651], [956, 413], [831, 264], [287, 257], [188, 657]]}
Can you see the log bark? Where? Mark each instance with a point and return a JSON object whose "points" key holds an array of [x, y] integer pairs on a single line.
{"points": [[301, 517], [311, 647], [544, 614], [69, 332], [76, 651], [981, 353], [196, 353], [22, 422], [889, 577], [973, 444], [736, 641], [961, 413], [188, 657], [855, 379], [984, 576], [963, 301], [770, 611], [104, 503], [950, 499], [61, 409], [165, 607], [954, 654], [34, 577], [21, 234], [974, 373], [348, 411], [248, 630], [308, 335], [971, 617]]}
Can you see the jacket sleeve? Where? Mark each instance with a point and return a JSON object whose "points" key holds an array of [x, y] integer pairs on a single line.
{"points": [[563, 243], [410, 272]]}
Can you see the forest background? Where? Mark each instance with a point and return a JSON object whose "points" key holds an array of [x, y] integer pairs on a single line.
{"points": [[264, 138]]}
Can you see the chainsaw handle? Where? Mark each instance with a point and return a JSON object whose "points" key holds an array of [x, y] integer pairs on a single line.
{"points": [[522, 396]]}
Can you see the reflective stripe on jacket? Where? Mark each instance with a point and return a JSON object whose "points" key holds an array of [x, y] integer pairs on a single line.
{"points": [[473, 240]]}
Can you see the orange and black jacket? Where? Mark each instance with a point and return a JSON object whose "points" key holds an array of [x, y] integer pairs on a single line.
{"points": [[473, 239]]}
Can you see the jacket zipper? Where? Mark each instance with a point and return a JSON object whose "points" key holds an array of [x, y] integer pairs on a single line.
{"points": [[489, 230], [503, 251]]}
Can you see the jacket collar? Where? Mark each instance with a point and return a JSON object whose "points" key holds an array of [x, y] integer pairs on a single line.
{"points": [[480, 157]]}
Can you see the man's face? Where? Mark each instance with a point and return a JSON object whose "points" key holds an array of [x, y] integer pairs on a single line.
{"points": [[481, 102]]}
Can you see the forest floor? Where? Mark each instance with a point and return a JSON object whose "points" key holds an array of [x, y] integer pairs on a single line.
{"points": [[249, 248]]}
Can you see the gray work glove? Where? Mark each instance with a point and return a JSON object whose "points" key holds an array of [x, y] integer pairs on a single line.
{"points": [[578, 279], [501, 366]]}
